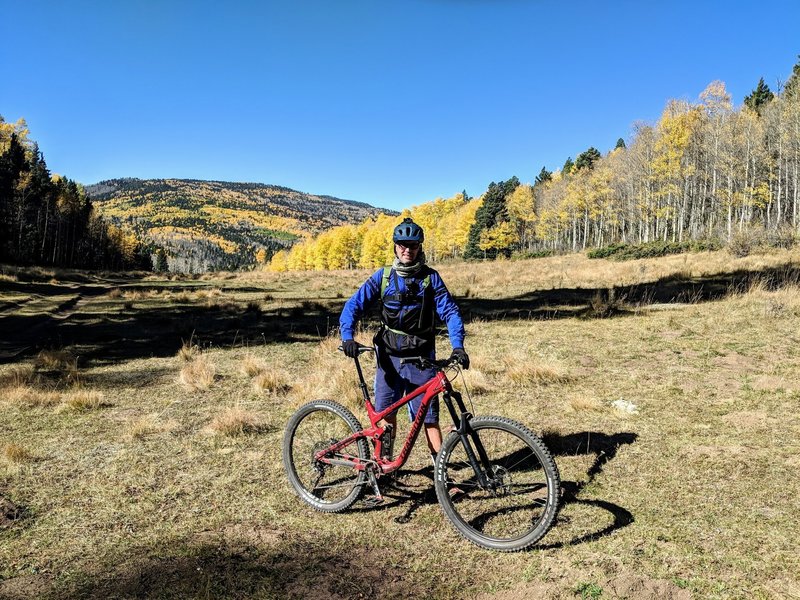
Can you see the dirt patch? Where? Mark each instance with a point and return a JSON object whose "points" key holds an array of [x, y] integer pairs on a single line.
{"points": [[10, 513], [748, 419], [641, 588], [734, 362], [538, 590], [771, 383], [621, 587], [26, 586]]}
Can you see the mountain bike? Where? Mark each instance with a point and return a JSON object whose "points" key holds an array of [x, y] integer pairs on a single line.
{"points": [[495, 479]]}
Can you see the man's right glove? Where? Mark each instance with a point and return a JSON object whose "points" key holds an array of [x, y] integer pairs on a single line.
{"points": [[350, 348], [461, 356]]}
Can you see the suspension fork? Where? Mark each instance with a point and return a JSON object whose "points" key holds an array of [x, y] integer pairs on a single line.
{"points": [[469, 437]]}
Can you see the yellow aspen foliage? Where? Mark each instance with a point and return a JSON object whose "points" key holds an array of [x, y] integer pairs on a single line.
{"points": [[500, 237], [279, 262], [261, 256]]}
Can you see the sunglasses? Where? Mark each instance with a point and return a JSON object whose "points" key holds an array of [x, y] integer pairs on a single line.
{"points": [[409, 245]]}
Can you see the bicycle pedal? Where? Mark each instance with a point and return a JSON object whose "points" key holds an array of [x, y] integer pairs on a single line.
{"points": [[374, 500]]}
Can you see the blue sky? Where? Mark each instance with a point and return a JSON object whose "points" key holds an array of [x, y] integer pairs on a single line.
{"points": [[390, 103]]}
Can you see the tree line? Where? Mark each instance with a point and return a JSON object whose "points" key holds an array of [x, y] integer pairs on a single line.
{"points": [[49, 220], [707, 170]]}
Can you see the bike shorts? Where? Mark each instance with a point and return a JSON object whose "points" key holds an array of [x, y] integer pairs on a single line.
{"points": [[394, 380]]}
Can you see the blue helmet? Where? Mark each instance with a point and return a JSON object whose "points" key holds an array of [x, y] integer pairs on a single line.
{"points": [[408, 231]]}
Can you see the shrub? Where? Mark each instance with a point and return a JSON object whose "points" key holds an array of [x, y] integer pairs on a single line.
{"points": [[653, 249]]}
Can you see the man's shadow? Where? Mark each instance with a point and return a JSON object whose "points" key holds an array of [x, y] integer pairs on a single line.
{"points": [[603, 446]]}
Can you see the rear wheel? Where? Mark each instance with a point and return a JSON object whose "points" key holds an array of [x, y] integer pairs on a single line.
{"points": [[519, 501], [314, 427]]}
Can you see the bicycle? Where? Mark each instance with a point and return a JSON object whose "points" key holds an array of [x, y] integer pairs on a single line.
{"points": [[495, 479]]}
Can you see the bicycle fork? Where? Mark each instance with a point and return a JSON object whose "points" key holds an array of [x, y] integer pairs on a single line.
{"points": [[469, 438]]}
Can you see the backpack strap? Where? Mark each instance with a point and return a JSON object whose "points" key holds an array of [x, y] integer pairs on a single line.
{"points": [[387, 272]]}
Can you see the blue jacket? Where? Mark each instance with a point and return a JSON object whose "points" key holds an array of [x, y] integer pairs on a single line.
{"points": [[370, 293]]}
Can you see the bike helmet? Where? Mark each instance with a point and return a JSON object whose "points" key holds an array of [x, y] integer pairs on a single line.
{"points": [[408, 231]]}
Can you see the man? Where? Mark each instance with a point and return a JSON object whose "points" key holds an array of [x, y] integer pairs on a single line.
{"points": [[411, 296]]}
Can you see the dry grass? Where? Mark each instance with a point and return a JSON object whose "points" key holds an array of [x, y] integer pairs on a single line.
{"points": [[56, 360], [199, 373], [252, 365], [29, 396], [17, 376], [530, 370], [585, 402], [235, 421], [8, 278], [690, 493], [16, 454], [269, 381], [114, 294], [188, 351], [148, 425], [83, 400]]}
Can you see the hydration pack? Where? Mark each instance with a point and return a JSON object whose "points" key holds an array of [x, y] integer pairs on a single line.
{"points": [[408, 316]]}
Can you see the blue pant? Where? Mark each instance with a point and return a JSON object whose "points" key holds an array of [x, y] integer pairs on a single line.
{"points": [[394, 380]]}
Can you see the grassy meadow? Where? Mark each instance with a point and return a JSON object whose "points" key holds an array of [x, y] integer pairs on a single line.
{"points": [[141, 421]]}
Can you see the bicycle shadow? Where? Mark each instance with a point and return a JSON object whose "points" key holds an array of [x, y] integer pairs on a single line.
{"points": [[603, 446]]}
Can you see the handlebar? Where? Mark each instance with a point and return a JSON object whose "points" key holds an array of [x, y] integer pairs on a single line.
{"points": [[425, 363], [361, 348]]}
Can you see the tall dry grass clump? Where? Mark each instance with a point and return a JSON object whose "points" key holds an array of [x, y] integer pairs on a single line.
{"points": [[188, 351], [198, 374], [269, 381], [83, 400], [17, 376], [142, 427], [29, 396], [528, 369], [252, 365], [16, 454], [264, 379], [235, 421], [56, 360]]}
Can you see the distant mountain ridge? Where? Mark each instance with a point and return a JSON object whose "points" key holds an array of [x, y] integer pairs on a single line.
{"points": [[213, 225]]}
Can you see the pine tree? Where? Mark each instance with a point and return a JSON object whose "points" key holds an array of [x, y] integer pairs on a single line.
{"points": [[161, 265], [568, 166], [792, 86], [491, 212], [759, 97], [620, 144], [587, 159], [543, 177]]}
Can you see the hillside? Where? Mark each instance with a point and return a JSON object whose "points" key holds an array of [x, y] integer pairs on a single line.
{"points": [[211, 225]]}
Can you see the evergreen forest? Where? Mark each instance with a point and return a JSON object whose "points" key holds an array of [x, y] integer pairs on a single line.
{"points": [[48, 220]]}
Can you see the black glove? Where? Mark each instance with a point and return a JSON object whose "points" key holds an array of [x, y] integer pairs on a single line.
{"points": [[350, 348], [460, 355]]}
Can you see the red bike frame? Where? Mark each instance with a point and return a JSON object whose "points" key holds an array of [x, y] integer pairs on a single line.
{"points": [[436, 385]]}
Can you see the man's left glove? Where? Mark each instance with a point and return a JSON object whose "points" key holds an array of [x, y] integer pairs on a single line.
{"points": [[460, 355], [350, 348]]}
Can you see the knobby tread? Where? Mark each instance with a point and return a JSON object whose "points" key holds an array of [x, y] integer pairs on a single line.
{"points": [[291, 426], [548, 464]]}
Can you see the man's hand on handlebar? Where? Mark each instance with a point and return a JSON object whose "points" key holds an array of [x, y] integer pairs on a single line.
{"points": [[350, 348], [460, 356]]}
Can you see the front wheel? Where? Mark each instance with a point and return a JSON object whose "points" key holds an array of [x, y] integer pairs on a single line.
{"points": [[516, 503], [314, 427]]}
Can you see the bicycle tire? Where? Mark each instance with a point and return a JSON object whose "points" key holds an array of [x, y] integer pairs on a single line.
{"points": [[519, 513], [327, 488]]}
